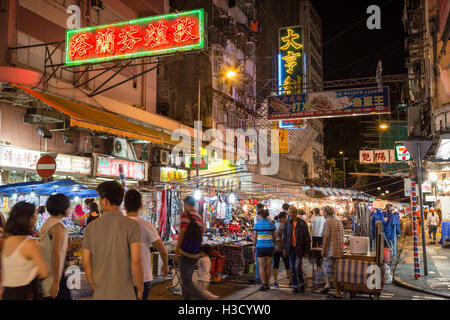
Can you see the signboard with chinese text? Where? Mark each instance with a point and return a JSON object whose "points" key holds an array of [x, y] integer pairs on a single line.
{"points": [[290, 60], [408, 187], [401, 154], [426, 187], [329, 104], [172, 174], [201, 165], [293, 124], [283, 141], [137, 38], [381, 156], [366, 156], [109, 167], [18, 158]]}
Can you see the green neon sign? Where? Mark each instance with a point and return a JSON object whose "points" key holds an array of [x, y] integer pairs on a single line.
{"points": [[137, 38]]}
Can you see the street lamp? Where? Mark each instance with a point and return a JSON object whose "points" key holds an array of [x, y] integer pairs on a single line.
{"points": [[383, 126], [379, 188], [230, 74], [343, 159]]}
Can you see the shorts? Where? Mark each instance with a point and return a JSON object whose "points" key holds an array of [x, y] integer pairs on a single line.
{"points": [[265, 252], [328, 267], [276, 260]]}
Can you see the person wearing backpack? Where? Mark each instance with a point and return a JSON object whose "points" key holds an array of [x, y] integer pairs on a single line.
{"points": [[188, 249]]}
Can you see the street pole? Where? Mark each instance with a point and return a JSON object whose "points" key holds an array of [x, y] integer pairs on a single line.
{"points": [[198, 116], [344, 170], [422, 220]]}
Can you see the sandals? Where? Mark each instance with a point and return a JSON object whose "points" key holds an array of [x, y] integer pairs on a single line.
{"points": [[324, 291], [332, 296]]}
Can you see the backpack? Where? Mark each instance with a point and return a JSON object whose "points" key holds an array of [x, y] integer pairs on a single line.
{"points": [[192, 241]]}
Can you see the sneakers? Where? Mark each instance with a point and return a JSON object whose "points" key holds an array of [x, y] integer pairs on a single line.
{"points": [[275, 285]]}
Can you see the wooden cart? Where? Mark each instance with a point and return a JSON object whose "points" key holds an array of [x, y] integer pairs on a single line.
{"points": [[357, 262]]}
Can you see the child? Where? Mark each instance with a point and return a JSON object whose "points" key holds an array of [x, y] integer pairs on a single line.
{"points": [[204, 271]]}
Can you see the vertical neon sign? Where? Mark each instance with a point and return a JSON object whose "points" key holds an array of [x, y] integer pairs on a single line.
{"points": [[290, 60]]}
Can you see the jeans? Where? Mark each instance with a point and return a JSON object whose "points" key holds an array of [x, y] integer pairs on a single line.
{"points": [[189, 290], [317, 242], [432, 230], [296, 269], [146, 290], [257, 277]]}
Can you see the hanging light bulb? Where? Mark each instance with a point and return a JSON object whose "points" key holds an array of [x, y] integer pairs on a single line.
{"points": [[77, 198], [197, 194]]}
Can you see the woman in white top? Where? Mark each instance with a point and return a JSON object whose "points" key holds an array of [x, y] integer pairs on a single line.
{"points": [[54, 238], [22, 262], [317, 222], [432, 224]]}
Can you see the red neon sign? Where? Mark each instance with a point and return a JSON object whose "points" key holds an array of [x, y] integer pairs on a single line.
{"points": [[150, 36]]}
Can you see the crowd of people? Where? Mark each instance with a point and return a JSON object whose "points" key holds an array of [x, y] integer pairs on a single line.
{"points": [[288, 237]]}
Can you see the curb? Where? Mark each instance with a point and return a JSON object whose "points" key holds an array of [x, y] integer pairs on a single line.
{"points": [[403, 284]]}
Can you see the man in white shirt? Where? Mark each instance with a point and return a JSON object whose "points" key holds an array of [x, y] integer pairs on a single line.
{"points": [[317, 222], [432, 224], [150, 237]]}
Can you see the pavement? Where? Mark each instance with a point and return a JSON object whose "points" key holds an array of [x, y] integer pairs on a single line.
{"points": [[437, 282]]}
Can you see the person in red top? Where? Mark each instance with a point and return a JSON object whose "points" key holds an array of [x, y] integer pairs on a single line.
{"points": [[188, 249]]}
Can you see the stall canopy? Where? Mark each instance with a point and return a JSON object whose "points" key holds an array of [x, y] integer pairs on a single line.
{"points": [[341, 193], [68, 187], [88, 117]]}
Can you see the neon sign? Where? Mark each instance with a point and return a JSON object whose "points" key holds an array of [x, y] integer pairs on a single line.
{"points": [[156, 35], [290, 61]]}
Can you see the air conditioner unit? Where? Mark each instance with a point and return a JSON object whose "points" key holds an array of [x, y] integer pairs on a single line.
{"points": [[161, 157], [119, 148]]}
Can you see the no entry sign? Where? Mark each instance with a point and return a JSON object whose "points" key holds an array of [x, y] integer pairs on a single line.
{"points": [[46, 166]]}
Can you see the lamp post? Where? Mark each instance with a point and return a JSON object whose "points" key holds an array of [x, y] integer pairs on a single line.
{"points": [[343, 159]]}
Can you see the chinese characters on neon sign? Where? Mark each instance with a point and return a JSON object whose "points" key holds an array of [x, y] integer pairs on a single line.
{"points": [[290, 60], [154, 35]]}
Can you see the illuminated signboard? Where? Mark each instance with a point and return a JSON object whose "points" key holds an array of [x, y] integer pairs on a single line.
{"points": [[329, 104], [109, 167], [136, 38], [290, 60], [401, 154], [172, 174], [293, 124], [19, 158]]}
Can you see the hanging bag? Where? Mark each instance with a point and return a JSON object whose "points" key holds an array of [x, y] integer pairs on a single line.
{"points": [[193, 237]]}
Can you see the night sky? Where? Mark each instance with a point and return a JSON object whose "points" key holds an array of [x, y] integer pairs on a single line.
{"points": [[355, 54]]}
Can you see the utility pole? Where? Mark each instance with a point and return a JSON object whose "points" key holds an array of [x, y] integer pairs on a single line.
{"points": [[198, 117], [422, 220]]}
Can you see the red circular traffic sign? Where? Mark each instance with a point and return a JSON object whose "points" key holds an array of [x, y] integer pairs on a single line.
{"points": [[46, 166]]}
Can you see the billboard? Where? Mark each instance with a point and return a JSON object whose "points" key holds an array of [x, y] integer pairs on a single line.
{"points": [[329, 104], [290, 60], [137, 38]]}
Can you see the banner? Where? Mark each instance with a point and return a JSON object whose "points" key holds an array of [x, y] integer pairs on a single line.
{"points": [[382, 156], [109, 167], [137, 38], [329, 104], [366, 156], [284, 141]]}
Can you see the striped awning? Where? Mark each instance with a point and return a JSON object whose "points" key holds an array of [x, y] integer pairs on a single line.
{"points": [[337, 192]]}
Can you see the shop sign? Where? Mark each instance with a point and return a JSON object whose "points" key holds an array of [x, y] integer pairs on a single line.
{"points": [[137, 38], [366, 156], [283, 141], [172, 174], [426, 187], [18, 158], [109, 167], [401, 153], [199, 163], [381, 156], [430, 198], [293, 124], [408, 187], [290, 60], [73, 164], [329, 104]]}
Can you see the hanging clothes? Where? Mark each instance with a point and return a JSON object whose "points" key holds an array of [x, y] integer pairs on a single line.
{"points": [[163, 214], [376, 216]]}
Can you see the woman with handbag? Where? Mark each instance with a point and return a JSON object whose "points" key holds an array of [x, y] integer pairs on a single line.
{"points": [[23, 265]]}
